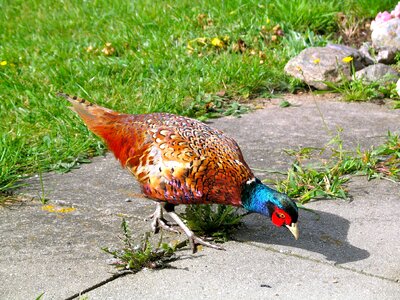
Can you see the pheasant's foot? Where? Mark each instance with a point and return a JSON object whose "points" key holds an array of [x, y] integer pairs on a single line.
{"points": [[159, 222], [156, 214], [193, 239]]}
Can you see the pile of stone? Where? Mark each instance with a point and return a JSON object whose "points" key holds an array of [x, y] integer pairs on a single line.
{"points": [[370, 63]]}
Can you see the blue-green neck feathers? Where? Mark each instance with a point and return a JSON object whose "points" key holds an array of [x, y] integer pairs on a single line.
{"points": [[257, 197]]}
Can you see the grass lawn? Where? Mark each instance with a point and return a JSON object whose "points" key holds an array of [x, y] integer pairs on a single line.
{"points": [[142, 56]]}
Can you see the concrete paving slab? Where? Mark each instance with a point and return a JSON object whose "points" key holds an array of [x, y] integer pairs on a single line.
{"points": [[60, 253], [347, 249], [248, 272], [311, 121], [359, 235]]}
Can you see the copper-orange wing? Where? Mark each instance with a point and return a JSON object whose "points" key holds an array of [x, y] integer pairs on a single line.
{"points": [[181, 160]]}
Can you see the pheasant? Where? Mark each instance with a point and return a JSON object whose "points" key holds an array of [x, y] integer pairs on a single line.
{"points": [[178, 160]]}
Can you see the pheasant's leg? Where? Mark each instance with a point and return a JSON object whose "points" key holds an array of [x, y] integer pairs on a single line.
{"points": [[193, 239], [159, 221]]}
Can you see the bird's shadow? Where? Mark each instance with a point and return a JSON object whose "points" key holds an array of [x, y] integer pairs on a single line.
{"points": [[320, 232]]}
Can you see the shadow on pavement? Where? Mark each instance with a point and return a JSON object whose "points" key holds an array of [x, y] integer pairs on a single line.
{"points": [[320, 232]]}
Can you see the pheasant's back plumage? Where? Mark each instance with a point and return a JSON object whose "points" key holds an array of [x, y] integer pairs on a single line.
{"points": [[176, 159]]}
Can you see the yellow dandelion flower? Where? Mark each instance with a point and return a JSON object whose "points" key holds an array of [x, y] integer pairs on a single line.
{"points": [[3, 63], [268, 21], [216, 42], [316, 61], [347, 59]]}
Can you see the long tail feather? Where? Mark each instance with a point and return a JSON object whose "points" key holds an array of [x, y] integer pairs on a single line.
{"points": [[105, 123], [89, 112]]}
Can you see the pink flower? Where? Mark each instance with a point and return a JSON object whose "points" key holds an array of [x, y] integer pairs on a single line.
{"points": [[396, 12], [381, 18]]}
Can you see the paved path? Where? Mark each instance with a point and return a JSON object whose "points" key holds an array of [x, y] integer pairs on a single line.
{"points": [[347, 250]]}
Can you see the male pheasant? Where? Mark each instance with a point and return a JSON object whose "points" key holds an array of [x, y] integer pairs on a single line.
{"points": [[178, 160]]}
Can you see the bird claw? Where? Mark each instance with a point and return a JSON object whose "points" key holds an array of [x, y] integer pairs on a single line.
{"points": [[158, 223], [194, 241]]}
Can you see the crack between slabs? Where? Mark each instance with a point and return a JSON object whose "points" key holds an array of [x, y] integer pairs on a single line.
{"points": [[101, 283], [126, 272]]}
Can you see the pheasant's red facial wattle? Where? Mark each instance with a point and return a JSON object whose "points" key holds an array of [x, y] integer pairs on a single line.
{"points": [[280, 217]]}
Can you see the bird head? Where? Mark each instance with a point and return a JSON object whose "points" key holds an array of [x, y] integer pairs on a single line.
{"points": [[257, 197]]}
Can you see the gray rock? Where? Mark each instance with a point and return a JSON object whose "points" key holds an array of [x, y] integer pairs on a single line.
{"points": [[377, 73], [386, 55], [370, 55], [349, 50], [365, 52], [387, 35], [317, 65]]}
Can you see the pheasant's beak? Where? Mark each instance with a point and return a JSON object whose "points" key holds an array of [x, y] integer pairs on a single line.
{"points": [[294, 230]]}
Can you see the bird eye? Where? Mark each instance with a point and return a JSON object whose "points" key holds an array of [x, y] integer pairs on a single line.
{"points": [[280, 215]]}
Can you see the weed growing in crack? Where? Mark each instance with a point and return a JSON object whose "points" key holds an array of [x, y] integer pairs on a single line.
{"points": [[312, 176], [217, 222], [135, 256]]}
